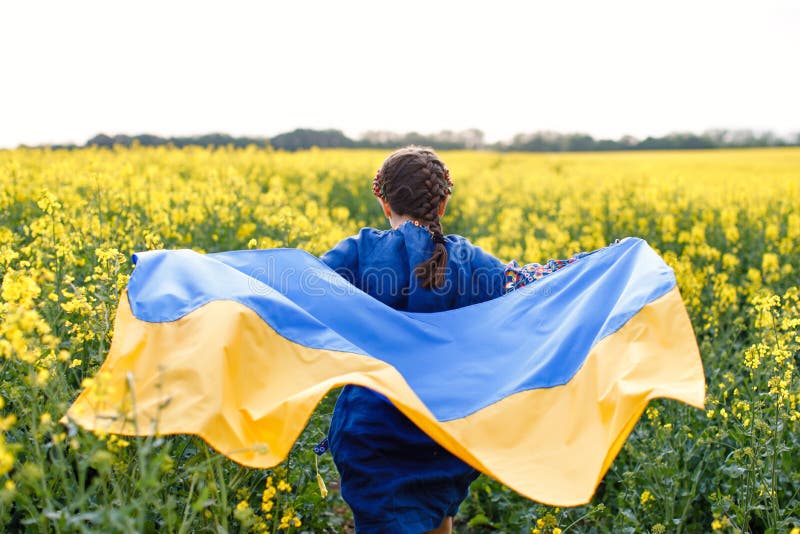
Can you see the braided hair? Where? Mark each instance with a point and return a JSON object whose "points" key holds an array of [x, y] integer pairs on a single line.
{"points": [[414, 182]]}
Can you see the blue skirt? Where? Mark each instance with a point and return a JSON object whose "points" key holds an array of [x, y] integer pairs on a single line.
{"points": [[396, 479]]}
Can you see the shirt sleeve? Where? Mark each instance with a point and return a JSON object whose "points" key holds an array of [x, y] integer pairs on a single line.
{"points": [[487, 275], [343, 258], [517, 276]]}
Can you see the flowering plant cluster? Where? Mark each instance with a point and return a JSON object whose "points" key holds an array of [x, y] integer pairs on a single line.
{"points": [[69, 221]]}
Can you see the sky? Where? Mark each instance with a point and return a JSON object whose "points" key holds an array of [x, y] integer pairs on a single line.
{"points": [[70, 70]]}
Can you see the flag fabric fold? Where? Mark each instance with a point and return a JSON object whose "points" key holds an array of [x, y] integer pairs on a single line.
{"points": [[543, 384]]}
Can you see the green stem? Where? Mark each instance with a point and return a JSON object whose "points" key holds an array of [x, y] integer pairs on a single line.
{"points": [[775, 454], [581, 518], [56, 256], [690, 498], [187, 517]]}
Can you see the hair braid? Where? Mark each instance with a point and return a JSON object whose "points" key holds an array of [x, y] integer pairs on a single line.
{"points": [[414, 181]]}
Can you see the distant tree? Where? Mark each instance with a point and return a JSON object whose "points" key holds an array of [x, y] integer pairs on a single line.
{"points": [[101, 140], [718, 136], [692, 141], [443, 140], [609, 144], [579, 142], [150, 140], [655, 143], [212, 139], [473, 139], [305, 138], [415, 138], [544, 141], [380, 139], [121, 139]]}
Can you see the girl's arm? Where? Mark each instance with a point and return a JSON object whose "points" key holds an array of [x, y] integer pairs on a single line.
{"points": [[343, 258]]}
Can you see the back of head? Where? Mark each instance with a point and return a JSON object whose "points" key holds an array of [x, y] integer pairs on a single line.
{"points": [[415, 182]]}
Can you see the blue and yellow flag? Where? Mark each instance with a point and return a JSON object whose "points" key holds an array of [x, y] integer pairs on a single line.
{"points": [[543, 384]]}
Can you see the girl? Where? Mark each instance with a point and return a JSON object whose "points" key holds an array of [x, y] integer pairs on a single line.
{"points": [[394, 477]]}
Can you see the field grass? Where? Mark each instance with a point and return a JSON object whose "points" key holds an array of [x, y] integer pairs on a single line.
{"points": [[727, 221]]}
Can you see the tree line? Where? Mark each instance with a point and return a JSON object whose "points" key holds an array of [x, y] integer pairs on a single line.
{"points": [[472, 139]]}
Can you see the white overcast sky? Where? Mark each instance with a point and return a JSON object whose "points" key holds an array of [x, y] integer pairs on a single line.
{"points": [[69, 70]]}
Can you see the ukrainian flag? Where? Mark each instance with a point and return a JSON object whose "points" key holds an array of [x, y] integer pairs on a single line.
{"points": [[538, 388]]}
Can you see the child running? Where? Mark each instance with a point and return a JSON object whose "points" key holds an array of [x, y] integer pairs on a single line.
{"points": [[395, 478]]}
